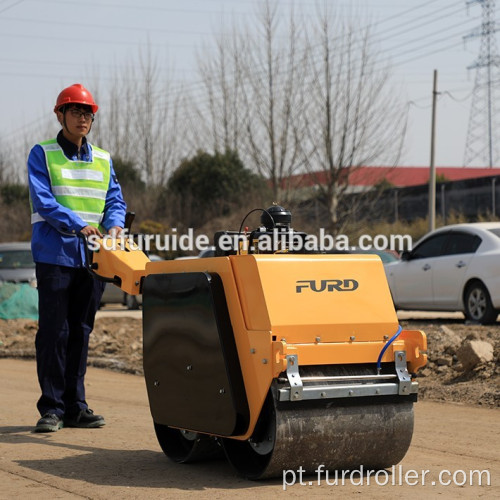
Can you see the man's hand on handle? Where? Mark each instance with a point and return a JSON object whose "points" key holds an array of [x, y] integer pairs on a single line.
{"points": [[88, 230], [115, 231]]}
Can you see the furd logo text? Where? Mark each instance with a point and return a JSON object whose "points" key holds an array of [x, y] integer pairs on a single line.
{"points": [[345, 285]]}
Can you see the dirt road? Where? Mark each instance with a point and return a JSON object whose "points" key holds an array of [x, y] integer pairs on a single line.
{"points": [[123, 459]]}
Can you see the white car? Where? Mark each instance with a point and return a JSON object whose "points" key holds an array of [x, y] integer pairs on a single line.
{"points": [[454, 268]]}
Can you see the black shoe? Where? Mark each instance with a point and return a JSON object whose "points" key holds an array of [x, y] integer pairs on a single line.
{"points": [[85, 420], [49, 423]]}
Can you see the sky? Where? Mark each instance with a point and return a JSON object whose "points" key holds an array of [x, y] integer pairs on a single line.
{"points": [[50, 44]]}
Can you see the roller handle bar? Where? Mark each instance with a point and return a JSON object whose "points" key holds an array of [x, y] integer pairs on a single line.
{"points": [[89, 266]]}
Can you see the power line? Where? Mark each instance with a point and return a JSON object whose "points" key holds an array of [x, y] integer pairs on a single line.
{"points": [[112, 27], [10, 6], [137, 6], [183, 45], [97, 41], [434, 19], [449, 94], [196, 86], [433, 42]]}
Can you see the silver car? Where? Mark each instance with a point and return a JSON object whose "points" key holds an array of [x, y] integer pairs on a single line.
{"points": [[455, 268], [16, 263]]}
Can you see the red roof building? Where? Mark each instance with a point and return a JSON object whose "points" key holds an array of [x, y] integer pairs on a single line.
{"points": [[362, 178]]}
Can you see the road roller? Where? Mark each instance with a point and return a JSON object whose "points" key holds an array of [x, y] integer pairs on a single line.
{"points": [[277, 356]]}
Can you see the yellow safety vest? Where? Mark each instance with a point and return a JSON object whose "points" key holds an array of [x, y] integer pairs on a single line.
{"points": [[78, 185]]}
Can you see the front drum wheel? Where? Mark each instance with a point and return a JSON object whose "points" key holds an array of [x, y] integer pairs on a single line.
{"points": [[183, 446], [478, 306]]}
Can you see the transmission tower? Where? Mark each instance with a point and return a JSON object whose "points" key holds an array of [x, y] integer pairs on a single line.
{"points": [[481, 146]]}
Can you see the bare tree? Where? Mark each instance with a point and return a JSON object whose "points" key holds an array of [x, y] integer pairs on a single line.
{"points": [[354, 117], [273, 91], [253, 87], [167, 130], [145, 109], [115, 124], [5, 164], [219, 112], [140, 122]]}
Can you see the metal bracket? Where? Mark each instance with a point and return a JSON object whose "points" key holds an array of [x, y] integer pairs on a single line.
{"points": [[402, 372], [352, 386], [292, 373]]}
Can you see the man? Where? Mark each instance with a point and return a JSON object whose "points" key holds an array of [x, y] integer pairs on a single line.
{"points": [[73, 189]]}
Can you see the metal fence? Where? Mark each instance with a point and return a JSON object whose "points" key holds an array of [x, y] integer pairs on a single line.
{"points": [[471, 198]]}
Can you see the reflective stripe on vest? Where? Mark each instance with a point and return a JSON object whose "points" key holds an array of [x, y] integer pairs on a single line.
{"points": [[79, 185], [90, 218], [81, 174]]}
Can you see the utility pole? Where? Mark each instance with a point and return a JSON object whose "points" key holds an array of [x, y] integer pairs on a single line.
{"points": [[432, 174]]}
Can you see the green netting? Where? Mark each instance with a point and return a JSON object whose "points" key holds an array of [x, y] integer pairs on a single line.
{"points": [[18, 300]]}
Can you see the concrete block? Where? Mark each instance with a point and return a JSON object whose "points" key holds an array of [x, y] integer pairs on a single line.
{"points": [[473, 352]]}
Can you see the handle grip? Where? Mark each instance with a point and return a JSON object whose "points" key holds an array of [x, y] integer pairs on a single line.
{"points": [[88, 265], [129, 218]]}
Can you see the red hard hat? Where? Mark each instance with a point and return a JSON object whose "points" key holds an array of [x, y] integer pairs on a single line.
{"points": [[76, 94]]}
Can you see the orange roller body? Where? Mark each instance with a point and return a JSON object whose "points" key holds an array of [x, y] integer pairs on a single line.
{"points": [[273, 359]]}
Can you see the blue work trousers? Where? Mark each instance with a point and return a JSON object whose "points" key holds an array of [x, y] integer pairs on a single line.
{"points": [[68, 299]]}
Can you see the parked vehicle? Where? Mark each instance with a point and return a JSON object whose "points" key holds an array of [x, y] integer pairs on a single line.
{"points": [[206, 252], [114, 295], [386, 256], [454, 268], [16, 263]]}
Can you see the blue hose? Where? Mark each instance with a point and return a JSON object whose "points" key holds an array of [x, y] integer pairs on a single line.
{"points": [[380, 356]]}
